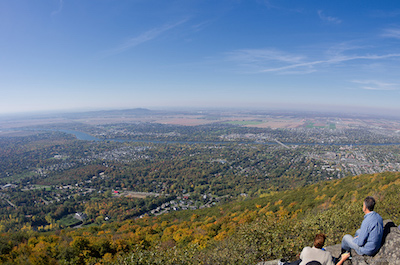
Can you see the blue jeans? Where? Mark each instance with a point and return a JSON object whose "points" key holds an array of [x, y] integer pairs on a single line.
{"points": [[348, 244]]}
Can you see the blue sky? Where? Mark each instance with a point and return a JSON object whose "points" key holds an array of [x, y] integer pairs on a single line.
{"points": [[107, 54]]}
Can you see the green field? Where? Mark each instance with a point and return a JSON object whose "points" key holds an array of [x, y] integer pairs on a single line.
{"points": [[16, 178], [69, 221]]}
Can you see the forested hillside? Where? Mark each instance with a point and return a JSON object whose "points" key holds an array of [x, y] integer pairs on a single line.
{"points": [[277, 224]]}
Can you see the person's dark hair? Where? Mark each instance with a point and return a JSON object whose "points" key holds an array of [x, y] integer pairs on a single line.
{"points": [[369, 203], [319, 240]]}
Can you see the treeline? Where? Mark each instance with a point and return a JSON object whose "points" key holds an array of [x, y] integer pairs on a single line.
{"points": [[277, 224], [36, 211]]}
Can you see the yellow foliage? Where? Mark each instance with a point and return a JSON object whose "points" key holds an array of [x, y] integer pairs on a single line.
{"points": [[269, 214], [134, 239], [152, 238], [294, 215], [282, 213], [39, 254], [354, 197], [32, 241], [201, 244], [182, 234], [263, 211], [126, 227], [325, 205], [210, 219], [194, 217], [278, 202], [384, 187], [155, 226], [107, 258], [26, 228], [221, 236]]}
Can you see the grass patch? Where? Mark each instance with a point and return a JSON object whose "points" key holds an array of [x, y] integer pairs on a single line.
{"points": [[310, 125], [18, 177], [69, 221]]}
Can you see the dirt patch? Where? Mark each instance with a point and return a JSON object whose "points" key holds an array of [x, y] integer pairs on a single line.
{"points": [[185, 121], [274, 124], [140, 195]]}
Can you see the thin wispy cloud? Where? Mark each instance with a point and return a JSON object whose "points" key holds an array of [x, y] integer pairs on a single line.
{"points": [[391, 33], [60, 7], [279, 62], [335, 60], [386, 13], [329, 19], [345, 47], [263, 55], [202, 25], [376, 85], [267, 3], [256, 60], [144, 37]]}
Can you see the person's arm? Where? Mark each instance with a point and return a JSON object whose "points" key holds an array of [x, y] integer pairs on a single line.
{"points": [[357, 233], [343, 258], [363, 234]]}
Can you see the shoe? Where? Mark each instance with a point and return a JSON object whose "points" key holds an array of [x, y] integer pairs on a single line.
{"points": [[281, 262]]}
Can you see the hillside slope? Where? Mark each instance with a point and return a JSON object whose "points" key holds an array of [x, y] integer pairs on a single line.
{"points": [[245, 232]]}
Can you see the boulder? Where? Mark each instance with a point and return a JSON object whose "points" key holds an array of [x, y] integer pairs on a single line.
{"points": [[388, 254], [335, 250]]}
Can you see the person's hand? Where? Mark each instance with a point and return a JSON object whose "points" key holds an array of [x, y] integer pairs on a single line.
{"points": [[345, 256]]}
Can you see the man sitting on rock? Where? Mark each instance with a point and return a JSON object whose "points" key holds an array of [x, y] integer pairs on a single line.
{"points": [[368, 238]]}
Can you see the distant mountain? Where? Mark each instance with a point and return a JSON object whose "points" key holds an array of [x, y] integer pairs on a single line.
{"points": [[105, 113]]}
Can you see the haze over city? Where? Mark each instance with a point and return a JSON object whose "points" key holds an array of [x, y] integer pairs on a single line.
{"points": [[66, 55]]}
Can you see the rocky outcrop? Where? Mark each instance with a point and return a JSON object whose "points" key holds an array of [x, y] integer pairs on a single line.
{"points": [[388, 254]]}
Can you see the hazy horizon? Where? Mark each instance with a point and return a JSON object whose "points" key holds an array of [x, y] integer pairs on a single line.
{"points": [[61, 56], [306, 112]]}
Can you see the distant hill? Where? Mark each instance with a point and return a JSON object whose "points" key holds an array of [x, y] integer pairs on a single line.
{"points": [[106, 113], [274, 225]]}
